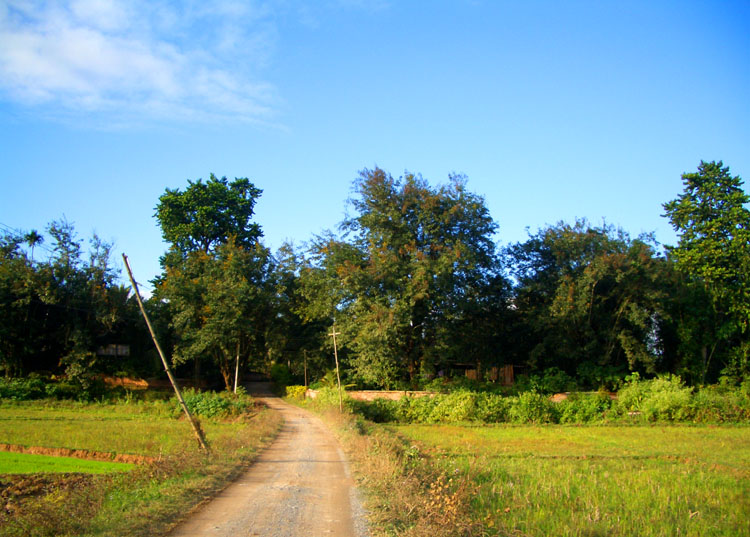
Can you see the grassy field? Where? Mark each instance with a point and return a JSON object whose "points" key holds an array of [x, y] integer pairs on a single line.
{"points": [[137, 428], [591, 481], [143, 501], [25, 463]]}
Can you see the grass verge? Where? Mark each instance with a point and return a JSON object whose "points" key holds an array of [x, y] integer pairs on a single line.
{"points": [[460, 480], [145, 501], [404, 494]]}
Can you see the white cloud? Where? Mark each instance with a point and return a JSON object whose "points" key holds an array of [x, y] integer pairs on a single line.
{"points": [[126, 60]]}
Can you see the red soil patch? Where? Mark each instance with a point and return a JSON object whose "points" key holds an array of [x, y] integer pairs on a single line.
{"points": [[78, 454]]}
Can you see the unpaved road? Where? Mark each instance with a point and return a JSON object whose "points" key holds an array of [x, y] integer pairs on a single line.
{"points": [[299, 486]]}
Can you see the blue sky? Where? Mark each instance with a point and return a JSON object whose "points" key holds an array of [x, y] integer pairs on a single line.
{"points": [[554, 110]]}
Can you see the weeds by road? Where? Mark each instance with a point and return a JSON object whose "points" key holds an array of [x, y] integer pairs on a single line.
{"points": [[531, 480], [404, 494]]}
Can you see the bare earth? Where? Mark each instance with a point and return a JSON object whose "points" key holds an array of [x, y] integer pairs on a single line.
{"points": [[300, 485]]}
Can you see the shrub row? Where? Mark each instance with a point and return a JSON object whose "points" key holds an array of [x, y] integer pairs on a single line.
{"points": [[215, 404], [660, 399], [206, 404], [25, 389]]}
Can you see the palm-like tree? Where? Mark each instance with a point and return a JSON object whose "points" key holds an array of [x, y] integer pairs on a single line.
{"points": [[33, 238]]}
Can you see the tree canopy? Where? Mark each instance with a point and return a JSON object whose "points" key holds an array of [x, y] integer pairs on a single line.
{"points": [[712, 220], [216, 274], [413, 280], [204, 215], [589, 299], [409, 262]]}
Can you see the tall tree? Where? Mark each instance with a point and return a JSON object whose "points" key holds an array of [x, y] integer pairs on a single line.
{"points": [[55, 315], [204, 215], [589, 300], [33, 239], [712, 220], [403, 271], [301, 344], [18, 290], [216, 273], [221, 306]]}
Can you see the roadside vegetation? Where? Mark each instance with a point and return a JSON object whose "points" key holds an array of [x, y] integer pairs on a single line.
{"points": [[662, 399], [170, 477], [629, 476]]}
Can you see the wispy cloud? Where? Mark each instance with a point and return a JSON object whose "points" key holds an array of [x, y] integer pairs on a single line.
{"points": [[124, 61]]}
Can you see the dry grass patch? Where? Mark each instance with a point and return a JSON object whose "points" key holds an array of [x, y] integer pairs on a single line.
{"points": [[404, 494]]}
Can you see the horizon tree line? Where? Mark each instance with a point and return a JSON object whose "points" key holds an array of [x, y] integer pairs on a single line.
{"points": [[413, 281]]}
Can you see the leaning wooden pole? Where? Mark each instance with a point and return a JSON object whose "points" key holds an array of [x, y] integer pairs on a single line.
{"points": [[196, 426]]}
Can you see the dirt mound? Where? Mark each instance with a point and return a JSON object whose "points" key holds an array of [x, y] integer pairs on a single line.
{"points": [[14, 489], [78, 454]]}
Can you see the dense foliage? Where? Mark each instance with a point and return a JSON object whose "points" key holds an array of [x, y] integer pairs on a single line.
{"points": [[65, 314], [662, 399], [415, 269], [413, 284]]}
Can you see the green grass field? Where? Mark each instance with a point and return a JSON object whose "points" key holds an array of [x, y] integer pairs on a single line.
{"points": [[140, 502], [24, 463], [592, 481], [138, 428]]}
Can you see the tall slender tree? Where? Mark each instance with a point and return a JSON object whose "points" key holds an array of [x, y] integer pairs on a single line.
{"points": [[712, 220]]}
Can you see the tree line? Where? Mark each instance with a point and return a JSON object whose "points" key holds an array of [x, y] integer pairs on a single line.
{"points": [[413, 281]]}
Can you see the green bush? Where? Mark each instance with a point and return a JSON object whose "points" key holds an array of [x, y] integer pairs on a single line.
{"points": [[281, 377], [63, 390], [716, 404], [296, 392], [379, 410], [329, 397], [552, 380], [532, 407], [213, 404], [21, 389], [453, 407], [493, 408], [661, 399], [664, 398], [584, 407]]}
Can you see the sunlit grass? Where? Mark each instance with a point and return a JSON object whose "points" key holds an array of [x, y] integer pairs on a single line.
{"points": [[25, 463], [141, 428], [558, 480]]}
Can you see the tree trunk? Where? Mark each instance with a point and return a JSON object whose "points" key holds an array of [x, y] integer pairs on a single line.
{"points": [[237, 368], [197, 372]]}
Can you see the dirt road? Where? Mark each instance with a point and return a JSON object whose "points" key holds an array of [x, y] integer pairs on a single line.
{"points": [[299, 486]]}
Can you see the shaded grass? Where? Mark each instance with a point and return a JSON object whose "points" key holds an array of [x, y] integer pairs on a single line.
{"points": [[586, 481], [25, 463]]}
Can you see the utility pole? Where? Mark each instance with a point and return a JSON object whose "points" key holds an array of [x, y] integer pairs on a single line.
{"points": [[193, 421], [336, 357], [237, 368], [304, 353]]}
